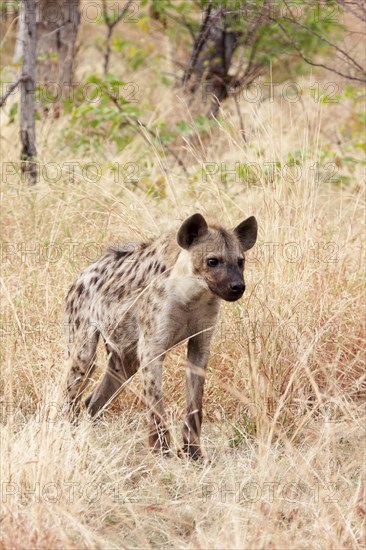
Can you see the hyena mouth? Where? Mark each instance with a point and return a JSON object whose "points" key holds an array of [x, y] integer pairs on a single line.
{"points": [[233, 296], [225, 293]]}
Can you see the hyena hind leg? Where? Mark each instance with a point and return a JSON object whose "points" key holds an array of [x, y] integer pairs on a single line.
{"points": [[119, 370], [81, 367]]}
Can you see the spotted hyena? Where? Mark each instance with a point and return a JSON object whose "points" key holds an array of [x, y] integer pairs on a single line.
{"points": [[144, 299]]}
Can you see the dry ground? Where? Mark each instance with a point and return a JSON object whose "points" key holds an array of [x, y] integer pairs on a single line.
{"points": [[284, 427]]}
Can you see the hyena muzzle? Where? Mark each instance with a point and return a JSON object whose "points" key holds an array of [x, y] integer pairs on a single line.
{"points": [[145, 298]]}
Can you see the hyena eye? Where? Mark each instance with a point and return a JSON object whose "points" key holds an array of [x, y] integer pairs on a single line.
{"points": [[212, 262], [241, 262]]}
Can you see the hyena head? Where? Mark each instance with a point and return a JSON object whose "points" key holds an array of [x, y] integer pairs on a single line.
{"points": [[217, 254]]}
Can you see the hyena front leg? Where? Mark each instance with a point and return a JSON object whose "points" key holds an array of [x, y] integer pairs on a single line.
{"points": [[82, 353], [151, 360], [198, 353], [121, 367]]}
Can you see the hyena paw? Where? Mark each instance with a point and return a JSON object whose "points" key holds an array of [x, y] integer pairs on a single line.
{"points": [[192, 451]]}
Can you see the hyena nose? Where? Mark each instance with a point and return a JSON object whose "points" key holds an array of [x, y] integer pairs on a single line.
{"points": [[237, 287]]}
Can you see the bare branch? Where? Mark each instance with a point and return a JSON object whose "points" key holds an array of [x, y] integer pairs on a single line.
{"points": [[110, 25], [313, 63], [324, 39], [201, 40], [11, 89], [359, 11]]}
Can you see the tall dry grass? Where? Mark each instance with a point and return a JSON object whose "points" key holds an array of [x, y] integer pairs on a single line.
{"points": [[284, 426]]}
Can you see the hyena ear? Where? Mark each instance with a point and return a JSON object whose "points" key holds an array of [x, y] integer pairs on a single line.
{"points": [[191, 229], [246, 232]]}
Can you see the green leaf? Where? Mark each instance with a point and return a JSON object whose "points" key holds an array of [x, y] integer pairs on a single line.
{"points": [[13, 112]]}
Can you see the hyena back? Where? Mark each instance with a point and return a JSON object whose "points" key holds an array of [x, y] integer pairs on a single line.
{"points": [[143, 300]]}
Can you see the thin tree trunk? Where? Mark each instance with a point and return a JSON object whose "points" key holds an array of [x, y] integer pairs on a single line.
{"points": [[27, 110], [110, 26], [108, 50], [57, 27], [19, 46], [57, 24], [211, 59]]}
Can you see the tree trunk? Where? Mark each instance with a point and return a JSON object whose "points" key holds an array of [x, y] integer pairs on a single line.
{"points": [[19, 43], [211, 59], [57, 27], [27, 87]]}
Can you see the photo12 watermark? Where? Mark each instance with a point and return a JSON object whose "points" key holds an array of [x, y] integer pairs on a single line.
{"points": [[293, 492], [81, 92], [71, 171], [252, 173], [237, 11], [289, 91], [54, 492], [88, 11]]}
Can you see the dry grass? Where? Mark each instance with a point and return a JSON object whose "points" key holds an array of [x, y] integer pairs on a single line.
{"points": [[284, 427]]}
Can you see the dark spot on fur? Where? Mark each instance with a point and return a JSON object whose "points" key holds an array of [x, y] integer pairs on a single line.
{"points": [[77, 322], [94, 280], [69, 302], [80, 289], [118, 254], [121, 255]]}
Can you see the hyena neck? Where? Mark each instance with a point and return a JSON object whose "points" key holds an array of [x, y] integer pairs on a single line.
{"points": [[185, 284]]}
